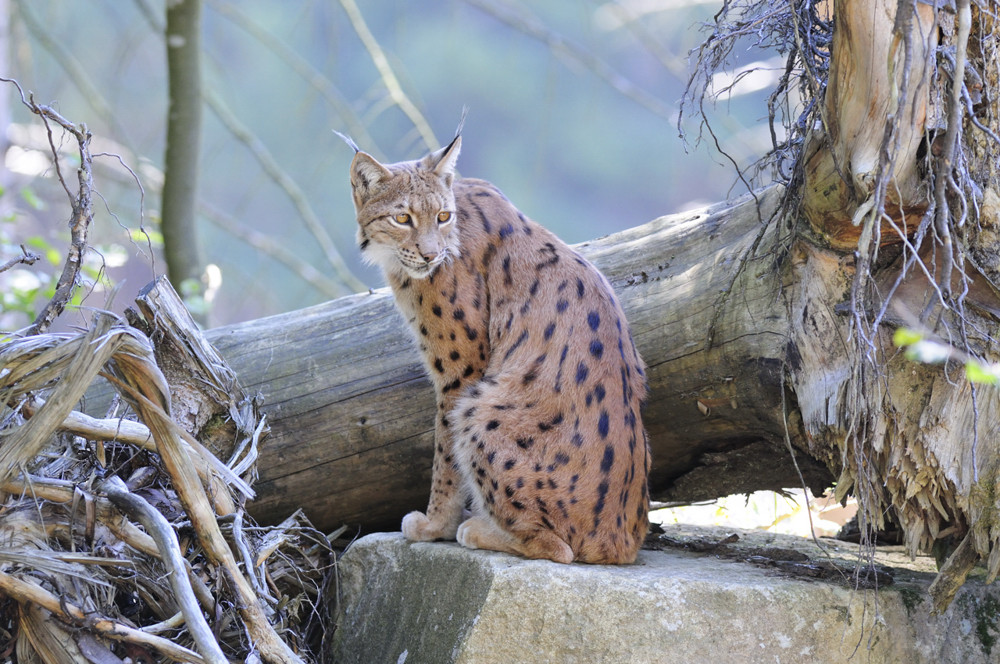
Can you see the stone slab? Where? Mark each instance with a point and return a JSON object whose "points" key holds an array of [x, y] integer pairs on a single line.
{"points": [[436, 603]]}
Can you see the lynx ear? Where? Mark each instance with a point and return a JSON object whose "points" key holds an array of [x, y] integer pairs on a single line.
{"points": [[443, 161], [366, 175]]}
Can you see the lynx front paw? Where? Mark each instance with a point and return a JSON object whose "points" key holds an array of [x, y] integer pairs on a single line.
{"points": [[418, 528]]}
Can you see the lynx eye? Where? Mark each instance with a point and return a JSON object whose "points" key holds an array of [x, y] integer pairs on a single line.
{"points": [[403, 219], [444, 217]]}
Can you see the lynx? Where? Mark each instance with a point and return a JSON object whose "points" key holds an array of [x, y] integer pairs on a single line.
{"points": [[537, 379]]}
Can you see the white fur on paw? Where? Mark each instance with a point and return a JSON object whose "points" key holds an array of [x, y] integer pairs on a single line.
{"points": [[414, 525], [464, 536]]}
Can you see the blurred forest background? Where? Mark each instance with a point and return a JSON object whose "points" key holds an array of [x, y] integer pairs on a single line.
{"points": [[573, 112]]}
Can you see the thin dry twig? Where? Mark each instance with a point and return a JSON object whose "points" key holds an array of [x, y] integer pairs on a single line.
{"points": [[80, 203]]}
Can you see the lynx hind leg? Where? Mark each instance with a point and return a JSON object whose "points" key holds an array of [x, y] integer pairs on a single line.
{"points": [[482, 532]]}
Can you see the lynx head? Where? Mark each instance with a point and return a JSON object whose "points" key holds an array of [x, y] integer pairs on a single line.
{"points": [[406, 211]]}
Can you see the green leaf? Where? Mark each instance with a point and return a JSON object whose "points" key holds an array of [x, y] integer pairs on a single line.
{"points": [[978, 372], [904, 336], [32, 199]]}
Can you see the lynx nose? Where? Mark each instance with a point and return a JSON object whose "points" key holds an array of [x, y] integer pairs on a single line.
{"points": [[429, 253]]}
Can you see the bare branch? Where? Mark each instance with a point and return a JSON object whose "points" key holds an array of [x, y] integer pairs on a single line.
{"points": [[395, 90], [268, 245], [26, 258], [303, 68], [170, 553], [273, 170], [531, 26], [75, 72]]}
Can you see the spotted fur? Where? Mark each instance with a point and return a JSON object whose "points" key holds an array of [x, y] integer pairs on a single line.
{"points": [[538, 382]]}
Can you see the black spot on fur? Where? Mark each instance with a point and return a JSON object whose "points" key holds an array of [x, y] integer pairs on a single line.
{"points": [[549, 330], [561, 306], [436, 310], [454, 355], [520, 340], [602, 424], [492, 424], [482, 216], [439, 365], [596, 348], [593, 320], [602, 491], [608, 460]]}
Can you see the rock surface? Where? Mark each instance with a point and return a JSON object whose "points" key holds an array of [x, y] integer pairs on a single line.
{"points": [[437, 603]]}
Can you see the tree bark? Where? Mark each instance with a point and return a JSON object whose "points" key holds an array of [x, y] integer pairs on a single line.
{"points": [[180, 239]]}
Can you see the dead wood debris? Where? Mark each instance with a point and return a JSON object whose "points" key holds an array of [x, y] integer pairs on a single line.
{"points": [[123, 537], [784, 561]]}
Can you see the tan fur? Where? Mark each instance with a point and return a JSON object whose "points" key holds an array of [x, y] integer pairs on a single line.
{"points": [[538, 382]]}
